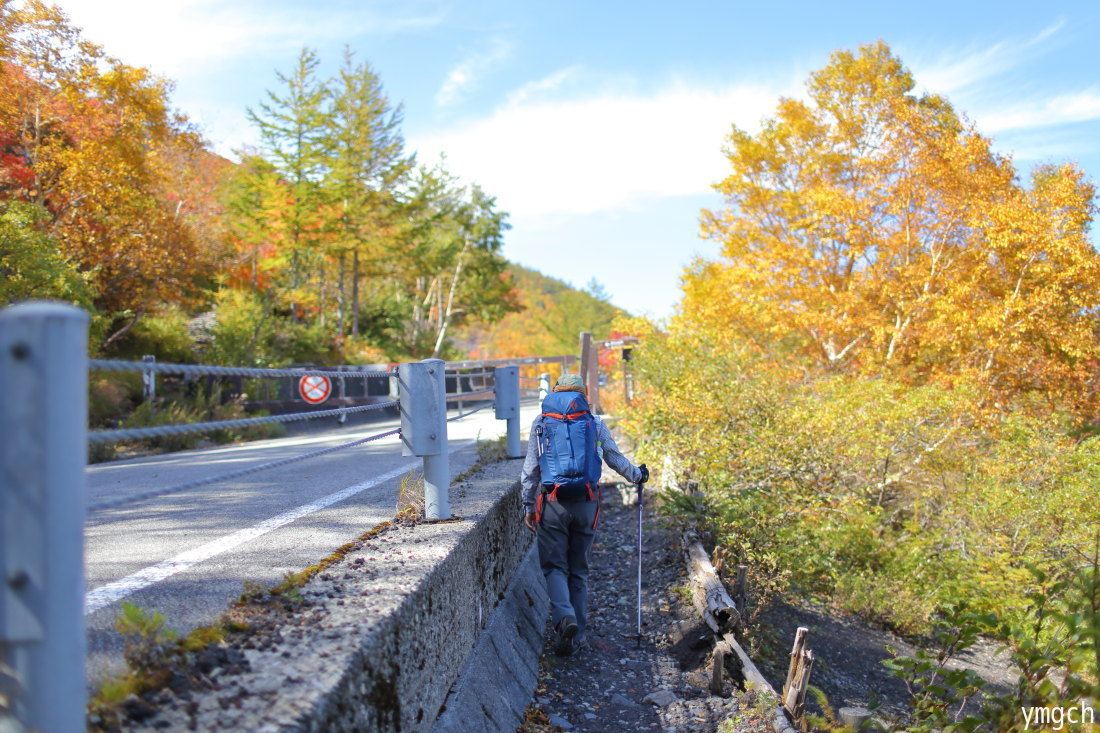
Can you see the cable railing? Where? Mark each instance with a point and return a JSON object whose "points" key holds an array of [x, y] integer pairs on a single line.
{"points": [[196, 370], [171, 430], [165, 431]]}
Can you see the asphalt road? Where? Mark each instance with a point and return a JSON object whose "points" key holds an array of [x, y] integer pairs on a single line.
{"points": [[188, 555]]}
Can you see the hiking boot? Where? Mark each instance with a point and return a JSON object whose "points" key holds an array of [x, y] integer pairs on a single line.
{"points": [[566, 630]]}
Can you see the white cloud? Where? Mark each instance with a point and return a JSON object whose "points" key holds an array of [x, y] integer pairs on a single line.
{"points": [[465, 76], [601, 153], [184, 37], [540, 86], [954, 71], [1059, 110]]}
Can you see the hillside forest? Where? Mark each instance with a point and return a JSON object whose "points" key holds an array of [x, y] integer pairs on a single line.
{"points": [[328, 244], [882, 394]]}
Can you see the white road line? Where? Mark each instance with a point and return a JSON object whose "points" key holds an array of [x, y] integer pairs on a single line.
{"points": [[115, 591]]}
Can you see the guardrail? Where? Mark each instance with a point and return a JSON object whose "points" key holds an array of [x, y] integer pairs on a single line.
{"points": [[43, 414]]}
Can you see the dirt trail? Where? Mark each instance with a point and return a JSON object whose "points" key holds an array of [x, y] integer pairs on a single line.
{"points": [[618, 684], [662, 684]]}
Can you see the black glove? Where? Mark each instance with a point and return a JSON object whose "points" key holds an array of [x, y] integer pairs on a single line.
{"points": [[645, 474]]}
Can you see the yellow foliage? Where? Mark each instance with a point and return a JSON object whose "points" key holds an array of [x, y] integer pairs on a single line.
{"points": [[872, 229]]}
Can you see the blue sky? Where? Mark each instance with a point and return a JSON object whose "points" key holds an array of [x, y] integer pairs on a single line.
{"points": [[599, 126]]}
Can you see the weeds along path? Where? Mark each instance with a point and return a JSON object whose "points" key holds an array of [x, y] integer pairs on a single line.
{"points": [[618, 684]]}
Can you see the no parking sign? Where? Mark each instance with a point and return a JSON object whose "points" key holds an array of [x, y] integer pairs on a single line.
{"points": [[315, 389]]}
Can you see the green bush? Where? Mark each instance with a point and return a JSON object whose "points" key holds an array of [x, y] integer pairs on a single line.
{"points": [[165, 334], [884, 499], [1054, 645], [244, 330], [195, 409]]}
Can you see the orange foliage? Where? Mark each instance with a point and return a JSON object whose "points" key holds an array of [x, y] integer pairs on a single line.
{"points": [[95, 142], [872, 229]]}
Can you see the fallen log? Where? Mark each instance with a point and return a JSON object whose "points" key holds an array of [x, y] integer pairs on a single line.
{"points": [[714, 605], [753, 676], [709, 594]]}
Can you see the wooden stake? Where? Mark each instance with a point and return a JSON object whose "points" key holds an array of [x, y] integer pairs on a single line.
{"points": [[798, 677], [719, 663], [741, 587], [796, 654]]}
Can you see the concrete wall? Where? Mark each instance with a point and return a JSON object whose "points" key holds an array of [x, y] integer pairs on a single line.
{"points": [[403, 673], [390, 629], [496, 683]]}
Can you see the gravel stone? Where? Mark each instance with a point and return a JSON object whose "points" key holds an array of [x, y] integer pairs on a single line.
{"points": [[560, 722], [661, 698]]}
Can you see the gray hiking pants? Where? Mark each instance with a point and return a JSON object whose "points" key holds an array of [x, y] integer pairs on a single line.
{"points": [[565, 533]]}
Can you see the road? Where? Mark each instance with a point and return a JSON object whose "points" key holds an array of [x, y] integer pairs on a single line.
{"points": [[187, 555]]}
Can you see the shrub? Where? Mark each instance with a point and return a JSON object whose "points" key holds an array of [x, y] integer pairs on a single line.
{"points": [[165, 334], [888, 500], [193, 409]]}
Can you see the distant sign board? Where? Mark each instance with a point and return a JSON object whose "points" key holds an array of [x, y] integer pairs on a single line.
{"points": [[315, 389]]}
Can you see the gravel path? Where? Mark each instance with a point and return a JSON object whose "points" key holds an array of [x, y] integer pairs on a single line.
{"points": [[619, 684]]}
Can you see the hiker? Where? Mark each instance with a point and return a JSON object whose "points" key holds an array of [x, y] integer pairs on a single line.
{"points": [[561, 500]]}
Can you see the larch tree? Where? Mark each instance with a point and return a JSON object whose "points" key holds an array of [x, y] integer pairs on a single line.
{"points": [[450, 263], [368, 165], [293, 128]]}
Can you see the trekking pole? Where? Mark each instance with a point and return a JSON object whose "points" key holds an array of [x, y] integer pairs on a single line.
{"points": [[640, 485]]}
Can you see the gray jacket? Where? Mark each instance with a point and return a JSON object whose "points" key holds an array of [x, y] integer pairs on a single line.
{"points": [[531, 477]]}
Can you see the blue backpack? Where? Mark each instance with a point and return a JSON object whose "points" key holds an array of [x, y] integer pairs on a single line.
{"points": [[568, 456]]}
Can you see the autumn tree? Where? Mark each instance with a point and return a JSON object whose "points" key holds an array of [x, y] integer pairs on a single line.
{"points": [[449, 263], [872, 228], [95, 144]]}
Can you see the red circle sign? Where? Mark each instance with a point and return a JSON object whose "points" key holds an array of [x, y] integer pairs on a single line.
{"points": [[314, 389]]}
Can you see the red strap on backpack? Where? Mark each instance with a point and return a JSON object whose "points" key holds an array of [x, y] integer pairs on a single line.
{"points": [[567, 416]]}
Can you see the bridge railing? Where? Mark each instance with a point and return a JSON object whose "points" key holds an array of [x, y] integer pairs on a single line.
{"points": [[43, 451]]}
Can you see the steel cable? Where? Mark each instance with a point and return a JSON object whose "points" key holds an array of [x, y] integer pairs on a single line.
{"points": [[164, 431], [470, 374], [136, 498], [114, 365], [470, 412]]}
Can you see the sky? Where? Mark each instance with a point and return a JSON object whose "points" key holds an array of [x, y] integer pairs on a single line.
{"points": [[599, 126]]}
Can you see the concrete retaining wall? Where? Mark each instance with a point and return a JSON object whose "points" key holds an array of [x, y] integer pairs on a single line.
{"points": [[389, 629], [496, 683]]}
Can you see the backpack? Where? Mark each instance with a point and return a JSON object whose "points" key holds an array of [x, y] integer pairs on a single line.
{"points": [[568, 455]]}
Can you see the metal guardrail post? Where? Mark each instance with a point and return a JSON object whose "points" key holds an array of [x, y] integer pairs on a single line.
{"points": [[343, 393], [458, 389], [544, 385], [424, 429], [507, 405], [43, 362], [149, 379]]}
